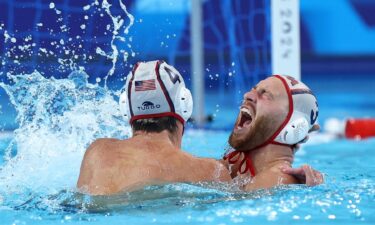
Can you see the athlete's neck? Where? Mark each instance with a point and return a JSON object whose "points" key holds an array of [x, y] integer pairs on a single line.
{"points": [[174, 138], [271, 155]]}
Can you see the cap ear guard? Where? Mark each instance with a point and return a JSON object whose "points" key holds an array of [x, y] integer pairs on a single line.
{"points": [[124, 106], [124, 100], [295, 131], [185, 103]]}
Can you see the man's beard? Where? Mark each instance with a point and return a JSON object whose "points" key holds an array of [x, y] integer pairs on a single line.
{"points": [[262, 129]]}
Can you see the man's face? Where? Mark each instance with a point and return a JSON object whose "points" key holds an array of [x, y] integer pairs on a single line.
{"points": [[263, 110]]}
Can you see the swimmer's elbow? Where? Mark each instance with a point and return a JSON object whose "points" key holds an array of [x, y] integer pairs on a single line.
{"points": [[224, 174], [221, 173]]}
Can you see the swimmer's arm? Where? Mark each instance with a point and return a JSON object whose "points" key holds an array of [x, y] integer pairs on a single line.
{"points": [[269, 179], [232, 168], [224, 162], [208, 169]]}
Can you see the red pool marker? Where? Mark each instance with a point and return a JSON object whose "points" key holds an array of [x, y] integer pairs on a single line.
{"points": [[360, 128]]}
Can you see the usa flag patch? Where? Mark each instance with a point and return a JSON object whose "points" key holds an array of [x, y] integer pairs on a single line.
{"points": [[145, 85]]}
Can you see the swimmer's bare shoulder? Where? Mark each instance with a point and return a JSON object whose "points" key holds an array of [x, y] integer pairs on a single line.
{"points": [[270, 178], [106, 167], [94, 166]]}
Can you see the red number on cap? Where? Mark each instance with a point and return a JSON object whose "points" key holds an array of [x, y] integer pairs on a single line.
{"points": [[292, 80], [173, 76]]}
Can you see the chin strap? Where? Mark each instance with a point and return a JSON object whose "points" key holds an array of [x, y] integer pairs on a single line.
{"points": [[246, 163]]}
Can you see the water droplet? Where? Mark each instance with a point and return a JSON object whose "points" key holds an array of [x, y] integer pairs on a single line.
{"points": [[87, 7], [295, 217], [331, 217]]}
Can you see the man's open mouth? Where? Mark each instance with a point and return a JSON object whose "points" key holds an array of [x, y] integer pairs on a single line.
{"points": [[245, 120]]}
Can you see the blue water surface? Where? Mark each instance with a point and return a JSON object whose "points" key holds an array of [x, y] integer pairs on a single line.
{"points": [[40, 161], [346, 197]]}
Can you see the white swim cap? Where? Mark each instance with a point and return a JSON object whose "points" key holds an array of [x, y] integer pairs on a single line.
{"points": [[302, 115], [155, 89]]}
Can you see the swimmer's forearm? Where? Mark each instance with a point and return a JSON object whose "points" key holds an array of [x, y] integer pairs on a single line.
{"points": [[224, 162]]}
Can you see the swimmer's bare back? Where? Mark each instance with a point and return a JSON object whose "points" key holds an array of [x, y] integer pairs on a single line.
{"points": [[111, 166]]}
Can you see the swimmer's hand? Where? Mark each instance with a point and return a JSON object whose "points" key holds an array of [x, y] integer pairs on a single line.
{"points": [[305, 175]]}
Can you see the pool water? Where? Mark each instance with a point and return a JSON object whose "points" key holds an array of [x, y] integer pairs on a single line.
{"points": [[51, 122], [59, 118], [346, 197]]}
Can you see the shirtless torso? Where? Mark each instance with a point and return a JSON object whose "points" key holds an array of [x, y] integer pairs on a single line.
{"points": [[111, 166]]}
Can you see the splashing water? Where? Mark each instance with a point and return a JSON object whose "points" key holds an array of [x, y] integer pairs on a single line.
{"points": [[58, 119], [118, 23]]}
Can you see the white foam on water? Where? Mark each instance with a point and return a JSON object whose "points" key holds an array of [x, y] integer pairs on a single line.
{"points": [[58, 119]]}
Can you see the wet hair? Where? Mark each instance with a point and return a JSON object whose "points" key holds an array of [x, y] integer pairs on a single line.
{"points": [[156, 125]]}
